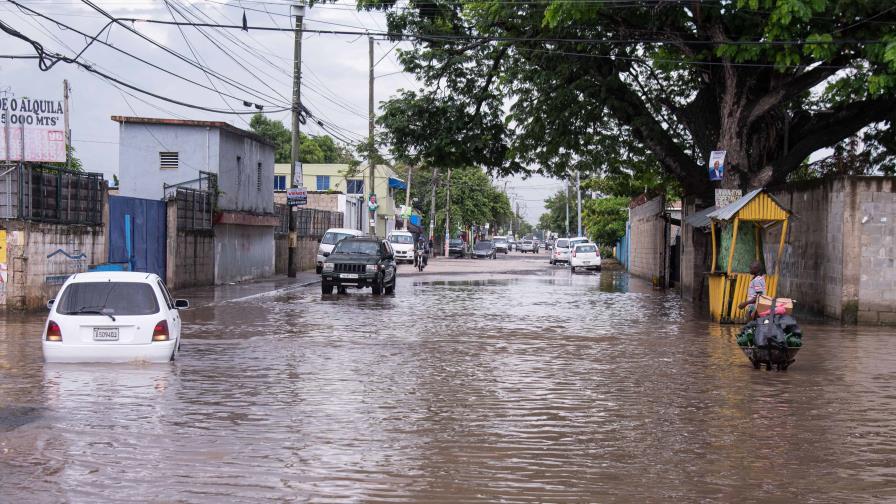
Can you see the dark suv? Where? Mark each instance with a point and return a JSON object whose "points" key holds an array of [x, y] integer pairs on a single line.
{"points": [[362, 261]]}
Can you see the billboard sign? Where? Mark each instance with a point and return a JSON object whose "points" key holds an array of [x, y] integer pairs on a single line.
{"points": [[297, 196], [43, 125]]}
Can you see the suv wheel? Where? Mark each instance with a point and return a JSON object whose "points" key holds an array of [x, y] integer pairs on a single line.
{"points": [[326, 288], [377, 287]]}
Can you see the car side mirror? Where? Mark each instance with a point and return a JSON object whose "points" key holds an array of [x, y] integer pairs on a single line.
{"points": [[181, 304], [50, 304], [326, 254]]}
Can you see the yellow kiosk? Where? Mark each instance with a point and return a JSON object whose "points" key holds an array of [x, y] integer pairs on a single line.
{"points": [[737, 232]]}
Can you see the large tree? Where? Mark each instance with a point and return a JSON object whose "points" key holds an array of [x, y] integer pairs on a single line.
{"points": [[515, 84]]}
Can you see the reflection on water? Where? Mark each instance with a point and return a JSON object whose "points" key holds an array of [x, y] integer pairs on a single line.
{"points": [[541, 388]]}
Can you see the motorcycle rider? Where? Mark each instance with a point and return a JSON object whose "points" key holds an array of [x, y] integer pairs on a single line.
{"points": [[421, 252]]}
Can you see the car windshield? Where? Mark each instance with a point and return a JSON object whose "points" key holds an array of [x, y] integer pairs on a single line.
{"points": [[110, 298], [455, 243], [562, 244], [357, 247], [501, 240], [332, 237], [586, 249], [483, 245], [406, 239]]}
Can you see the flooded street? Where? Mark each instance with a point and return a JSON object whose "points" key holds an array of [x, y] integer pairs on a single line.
{"points": [[481, 386]]}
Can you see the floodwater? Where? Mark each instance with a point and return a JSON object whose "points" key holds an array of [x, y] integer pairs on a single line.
{"points": [[541, 387]]}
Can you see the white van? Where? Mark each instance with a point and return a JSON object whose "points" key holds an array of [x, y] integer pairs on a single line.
{"points": [[403, 245], [330, 239]]}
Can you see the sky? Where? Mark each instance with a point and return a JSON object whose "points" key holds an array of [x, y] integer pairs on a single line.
{"points": [[256, 65]]}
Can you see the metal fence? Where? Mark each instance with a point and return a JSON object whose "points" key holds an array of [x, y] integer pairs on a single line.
{"points": [[194, 209], [282, 212], [313, 223], [206, 181], [51, 194]]}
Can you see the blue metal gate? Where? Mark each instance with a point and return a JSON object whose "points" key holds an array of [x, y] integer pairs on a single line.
{"points": [[138, 233]]}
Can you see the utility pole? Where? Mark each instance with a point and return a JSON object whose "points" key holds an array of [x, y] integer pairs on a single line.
{"points": [[299, 12], [68, 131], [579, 196], [370, 163], [407, 191], [432, 208], [566, 191], [448, 213]]}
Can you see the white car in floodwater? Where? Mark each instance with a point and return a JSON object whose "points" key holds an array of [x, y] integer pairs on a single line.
{"points": [[402, 245], [584, 256], [113, 316]]}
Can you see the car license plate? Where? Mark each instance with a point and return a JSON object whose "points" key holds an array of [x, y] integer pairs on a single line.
{"points": [[587, 262], [105, 334], [348, 275]]}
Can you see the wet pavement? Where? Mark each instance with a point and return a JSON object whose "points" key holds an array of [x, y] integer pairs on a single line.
{"points": [[468, 385]]}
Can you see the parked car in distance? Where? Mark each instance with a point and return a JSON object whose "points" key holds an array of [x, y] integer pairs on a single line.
{"points": [[113, 316], [501, 244], [403, 246], [560, 253], [528, 246], [360, 262], [329, 240], [484, 249], [584, 256], [455, 247]]}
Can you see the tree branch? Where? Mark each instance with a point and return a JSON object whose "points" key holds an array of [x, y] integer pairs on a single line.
{"points": [[490, 77], [828, 128], [796, 85]]}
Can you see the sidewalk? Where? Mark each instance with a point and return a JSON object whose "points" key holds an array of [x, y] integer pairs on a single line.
{"points": [[217, 294]]}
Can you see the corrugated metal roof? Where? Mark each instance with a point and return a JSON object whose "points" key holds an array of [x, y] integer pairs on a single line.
{"points": [[728, 212], [701, 218]]}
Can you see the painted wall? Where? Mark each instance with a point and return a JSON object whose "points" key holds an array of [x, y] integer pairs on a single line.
{"points": [[139, 172], [338, 176], [243, 252], [239, 184], [647, 241], [40, 257]]}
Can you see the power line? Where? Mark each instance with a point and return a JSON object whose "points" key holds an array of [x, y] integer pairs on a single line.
{"points": [[65, 26]]}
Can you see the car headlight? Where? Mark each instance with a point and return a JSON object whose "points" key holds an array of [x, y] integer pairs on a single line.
{"points": [[372, 268], [328, 266]]}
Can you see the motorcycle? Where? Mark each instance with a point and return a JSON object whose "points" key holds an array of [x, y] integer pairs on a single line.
{"points": [[420, 259]]}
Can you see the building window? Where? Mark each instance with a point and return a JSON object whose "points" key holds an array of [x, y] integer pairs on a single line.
{"points": [[168, 160], [258, 178], [323, 182], [355, 186], [279, 182]]}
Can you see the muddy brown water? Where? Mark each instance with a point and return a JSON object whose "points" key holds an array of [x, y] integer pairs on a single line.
{"points": [[543, 387]]}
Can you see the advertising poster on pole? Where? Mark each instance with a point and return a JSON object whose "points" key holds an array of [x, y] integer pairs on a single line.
{"points": [[32, 130]]}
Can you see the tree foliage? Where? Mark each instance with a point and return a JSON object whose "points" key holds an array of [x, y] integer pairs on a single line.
{"points": [[312, 149], [605, 218], [474, 200], [627, 86], [554, 219]]}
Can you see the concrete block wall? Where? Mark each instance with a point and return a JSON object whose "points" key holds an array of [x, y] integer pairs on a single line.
{"points": [[306, 254], [243, 252], [646, 258], [41, 256], [190, 260], [840, 255], [875, 221], [811, 265]]}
